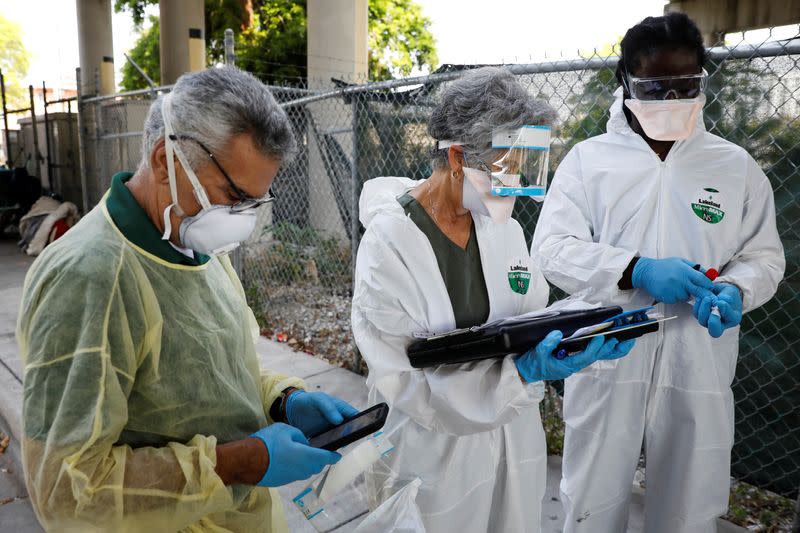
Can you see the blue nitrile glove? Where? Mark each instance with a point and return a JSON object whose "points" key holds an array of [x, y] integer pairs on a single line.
{"points": [[670, 280], [290, 456], [314, 412], [540, 364], [728, 300], [702, 312]]}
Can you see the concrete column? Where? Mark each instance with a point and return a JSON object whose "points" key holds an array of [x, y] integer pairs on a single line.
{"points": [[337, 41], [96, 46], [337, 48], [182, 39]]}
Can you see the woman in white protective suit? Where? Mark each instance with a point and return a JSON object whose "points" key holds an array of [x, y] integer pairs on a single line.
{"points": [[628, 216], [443, 253]]}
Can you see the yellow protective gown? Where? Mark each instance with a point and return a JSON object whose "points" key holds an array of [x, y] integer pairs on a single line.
{"points": [[135, 368]]}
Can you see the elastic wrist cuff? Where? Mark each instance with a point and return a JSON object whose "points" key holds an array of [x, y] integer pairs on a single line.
{"points": [[626, 281]]}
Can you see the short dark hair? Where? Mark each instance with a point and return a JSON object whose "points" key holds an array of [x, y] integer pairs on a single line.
{"points": [[674, 30]]}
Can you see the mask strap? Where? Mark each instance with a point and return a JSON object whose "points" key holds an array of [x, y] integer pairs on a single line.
{"points": [[199, 191], [169, 145], [167, 223], [173, 150]]}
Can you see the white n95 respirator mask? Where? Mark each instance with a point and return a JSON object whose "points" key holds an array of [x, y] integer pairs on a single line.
{"points": [[477, 197], [667, 120], [216, 229]]}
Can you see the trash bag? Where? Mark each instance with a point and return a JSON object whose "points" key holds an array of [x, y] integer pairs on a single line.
{"points": [[398, 514], [47, 220]]}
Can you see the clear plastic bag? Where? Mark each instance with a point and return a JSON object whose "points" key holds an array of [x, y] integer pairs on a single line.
{"points": [[337, 496], [398, 514]]}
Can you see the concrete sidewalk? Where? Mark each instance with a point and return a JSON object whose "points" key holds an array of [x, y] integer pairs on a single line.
{"points": [[16, 513]]}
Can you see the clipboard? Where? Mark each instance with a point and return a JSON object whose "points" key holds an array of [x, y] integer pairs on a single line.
{"points": [[519, 334]]}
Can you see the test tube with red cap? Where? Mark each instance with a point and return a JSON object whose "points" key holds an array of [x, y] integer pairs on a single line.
{"points": [[711, 274]]}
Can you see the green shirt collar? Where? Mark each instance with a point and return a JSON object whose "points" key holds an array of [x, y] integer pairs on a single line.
{"points": [[137, 227]]}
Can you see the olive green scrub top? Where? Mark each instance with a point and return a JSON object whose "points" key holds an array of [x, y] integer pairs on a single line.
{"points": [[461, 268]]}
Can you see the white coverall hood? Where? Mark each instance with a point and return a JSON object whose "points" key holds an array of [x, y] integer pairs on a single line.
{"points": [[472, 433], [380, 195], [612, 199]]}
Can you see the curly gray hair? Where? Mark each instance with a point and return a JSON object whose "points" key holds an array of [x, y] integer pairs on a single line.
{"points": [[483, 100], [216, 104]]}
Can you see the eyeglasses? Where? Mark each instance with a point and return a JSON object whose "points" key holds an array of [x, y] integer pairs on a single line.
{"points": [[662, 87], [245, 202]]}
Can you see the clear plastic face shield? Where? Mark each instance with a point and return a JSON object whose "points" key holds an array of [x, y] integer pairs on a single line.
{"points": [[521, 162], [517, 163]]}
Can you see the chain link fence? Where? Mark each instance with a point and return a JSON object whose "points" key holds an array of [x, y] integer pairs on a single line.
{"points": [[297, 267], [300, 266]]}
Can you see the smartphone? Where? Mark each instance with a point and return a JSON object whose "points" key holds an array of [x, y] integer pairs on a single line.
{"points": [[363, 424]]}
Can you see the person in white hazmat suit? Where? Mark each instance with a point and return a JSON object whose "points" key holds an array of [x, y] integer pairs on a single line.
{"points": [[443, 253], [628, 216]]}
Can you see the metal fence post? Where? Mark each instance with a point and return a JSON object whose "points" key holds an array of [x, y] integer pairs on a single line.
{"points": [[230, 55], [36, 154], [48, 165], [81, 142], [354, 213], [71, 136], [9, 162]]}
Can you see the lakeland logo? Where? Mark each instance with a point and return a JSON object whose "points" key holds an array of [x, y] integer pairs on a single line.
{"points": [[519, 279], [707, 208]]}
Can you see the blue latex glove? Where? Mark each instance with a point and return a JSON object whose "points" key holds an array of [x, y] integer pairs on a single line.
{"points": [[290, 456], [670, 280], [314, 412], [540, 364], [728, 299]]}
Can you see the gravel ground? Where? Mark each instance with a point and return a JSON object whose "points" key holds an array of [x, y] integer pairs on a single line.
{"points": [[309, 319]]}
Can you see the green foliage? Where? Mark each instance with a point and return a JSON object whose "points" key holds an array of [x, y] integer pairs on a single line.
{"points": [[136, 8], [759, 510], [273, 48], [14, 60], [271, 39], [590, 107], [399, 39], [550, 410], [146, 54]]}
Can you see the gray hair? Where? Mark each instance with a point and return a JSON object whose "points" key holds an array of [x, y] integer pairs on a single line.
{"points": [[483, 100], [214, 105]]}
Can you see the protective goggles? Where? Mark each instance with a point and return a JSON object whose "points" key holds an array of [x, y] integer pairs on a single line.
{"points": [[663, 87], [518, 161]]}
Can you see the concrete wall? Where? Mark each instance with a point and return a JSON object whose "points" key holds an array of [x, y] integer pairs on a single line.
{"points": [[718, 17]]}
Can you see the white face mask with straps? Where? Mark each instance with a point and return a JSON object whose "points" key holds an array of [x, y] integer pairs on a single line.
{"points": [[215, 230], [477, 196], [667, 120], [476, 193]]}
